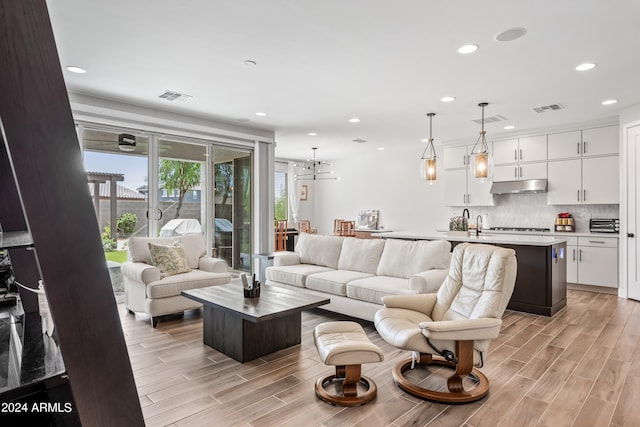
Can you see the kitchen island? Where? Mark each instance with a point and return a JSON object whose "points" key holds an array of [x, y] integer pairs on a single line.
{"points": [[541, 283]]}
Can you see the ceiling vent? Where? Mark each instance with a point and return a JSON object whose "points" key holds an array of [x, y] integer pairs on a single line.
{"points": [[492, 119], [359, 140], [170, 95], [546, 108]]}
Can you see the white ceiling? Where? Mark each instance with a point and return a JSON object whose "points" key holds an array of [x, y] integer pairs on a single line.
{"points": [[320, 63]]}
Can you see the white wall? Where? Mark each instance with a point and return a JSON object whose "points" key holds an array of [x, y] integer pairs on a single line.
{"points": [[386, 180]]}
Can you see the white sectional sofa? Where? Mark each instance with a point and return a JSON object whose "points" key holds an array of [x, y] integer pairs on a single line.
{"points": [[357, 273]]}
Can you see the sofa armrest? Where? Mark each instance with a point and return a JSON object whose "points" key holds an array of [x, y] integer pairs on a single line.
{"points": [[140, 272], [422, 303], [286, 258], [428, 281], [462, 330], [212, 265]]}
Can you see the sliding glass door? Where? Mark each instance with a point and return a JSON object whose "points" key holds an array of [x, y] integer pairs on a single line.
{"points": [[147, 184], [232, 195]]}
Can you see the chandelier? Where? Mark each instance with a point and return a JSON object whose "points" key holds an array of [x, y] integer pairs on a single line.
{"points": [[428, 159], [311, 170]]}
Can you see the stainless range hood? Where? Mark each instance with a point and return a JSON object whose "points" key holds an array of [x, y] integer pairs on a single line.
{"points": [[523, 186]]}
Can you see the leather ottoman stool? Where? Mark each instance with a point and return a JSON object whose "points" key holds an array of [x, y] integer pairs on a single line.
{"points": [[345, 345]]}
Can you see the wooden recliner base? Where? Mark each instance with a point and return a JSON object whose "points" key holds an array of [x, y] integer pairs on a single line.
{"points": [[350, 375], [456, 393]]}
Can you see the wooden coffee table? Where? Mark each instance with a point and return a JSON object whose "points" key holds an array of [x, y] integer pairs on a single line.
{"points": [[247, 328]]}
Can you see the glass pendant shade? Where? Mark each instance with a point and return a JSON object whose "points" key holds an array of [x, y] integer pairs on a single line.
{"points": [[481, 165], [428, 169]]}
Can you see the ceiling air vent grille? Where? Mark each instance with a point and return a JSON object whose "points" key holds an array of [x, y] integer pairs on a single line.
{"points": [[170, 95], [492, 119], [359, 140], [546, 108]]}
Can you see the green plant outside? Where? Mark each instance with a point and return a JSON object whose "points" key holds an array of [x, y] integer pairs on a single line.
{"points": [[116, 256]]}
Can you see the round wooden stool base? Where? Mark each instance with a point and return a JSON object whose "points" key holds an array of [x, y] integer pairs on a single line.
{"points": [[342, 400], [477, 393]]}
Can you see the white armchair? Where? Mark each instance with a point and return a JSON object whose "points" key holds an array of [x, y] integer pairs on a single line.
{"points": [[148, 292], [456, 324]]}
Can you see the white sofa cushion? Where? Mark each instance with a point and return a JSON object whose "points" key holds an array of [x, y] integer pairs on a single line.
{"points": [[172, 285], [194, 248], [334, 282], [402, 258], [295, 275], [372, 289], [360, 254], [139, 248], [319, 250]]}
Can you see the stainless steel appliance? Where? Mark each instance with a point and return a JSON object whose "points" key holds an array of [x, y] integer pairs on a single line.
{"points": [[604, 225]]}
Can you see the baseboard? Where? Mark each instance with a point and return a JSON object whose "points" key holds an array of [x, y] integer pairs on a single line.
{"points": [[592, 288]]}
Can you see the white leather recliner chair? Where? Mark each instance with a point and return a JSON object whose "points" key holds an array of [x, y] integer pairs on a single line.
{"points": [[455, 324]]}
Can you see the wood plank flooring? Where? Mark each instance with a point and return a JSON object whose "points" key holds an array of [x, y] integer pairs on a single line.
{"points": [[579, 368]]}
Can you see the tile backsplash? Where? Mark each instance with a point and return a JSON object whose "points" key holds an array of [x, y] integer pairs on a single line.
{"points": [[531, 210]]}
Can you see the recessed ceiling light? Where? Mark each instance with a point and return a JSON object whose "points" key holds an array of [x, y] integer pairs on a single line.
{"points": [[381, 148], [312, 134], [354, 120], [511, 34], [509, 127], [468, 48], [261, 114], [448, 99], [609, 102], [75, 69], [249, 63], [424, 140], [586, 66]]}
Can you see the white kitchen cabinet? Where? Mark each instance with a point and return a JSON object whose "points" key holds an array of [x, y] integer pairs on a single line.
{"points": [[564, 145], [597, 261], [590, 181], [460, 187], [455, 157], [572, 263], [601, 180], [520, 171], [532, 148], [522, 150], [599, 141], [505, 152]]}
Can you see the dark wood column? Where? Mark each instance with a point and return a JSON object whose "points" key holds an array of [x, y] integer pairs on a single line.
{"points": [[48, 171]]}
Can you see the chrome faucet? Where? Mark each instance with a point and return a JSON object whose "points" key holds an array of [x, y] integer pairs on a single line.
{"points": [[478, 222]]}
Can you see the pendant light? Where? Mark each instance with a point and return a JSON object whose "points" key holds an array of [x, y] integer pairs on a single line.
{"points": [[428, 159], [480, 159]]}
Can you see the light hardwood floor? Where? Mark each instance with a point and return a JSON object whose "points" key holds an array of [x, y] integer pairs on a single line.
{"points": [[579, 368]]}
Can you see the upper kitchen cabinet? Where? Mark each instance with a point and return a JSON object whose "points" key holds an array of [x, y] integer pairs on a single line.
{"points": [[520, 150], [456, 157], [600, 141], [586, 143], [589, 181], [460, 186]]}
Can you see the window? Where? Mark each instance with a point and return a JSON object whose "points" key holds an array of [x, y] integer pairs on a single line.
{"points": [[281, 196]]}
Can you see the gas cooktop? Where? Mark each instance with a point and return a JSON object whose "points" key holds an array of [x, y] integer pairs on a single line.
{"points": [[527, 229]]}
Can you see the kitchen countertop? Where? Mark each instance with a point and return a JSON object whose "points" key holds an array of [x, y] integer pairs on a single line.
{"points": [[552, 233], [508, 239]]}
